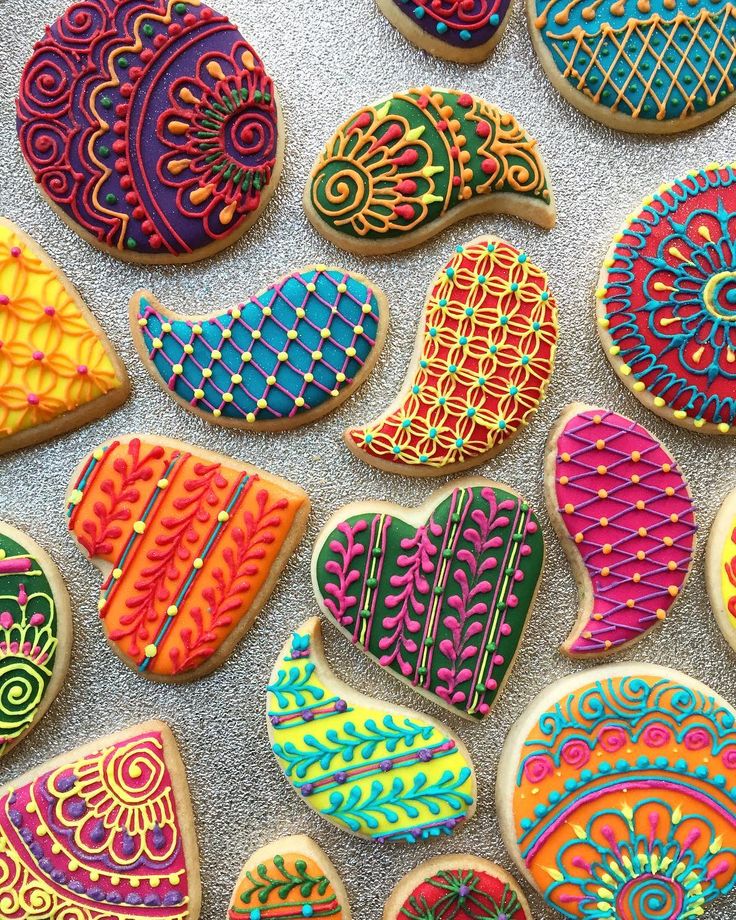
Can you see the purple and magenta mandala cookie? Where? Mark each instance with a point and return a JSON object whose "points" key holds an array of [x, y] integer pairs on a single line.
{"points": [[152, 125]]}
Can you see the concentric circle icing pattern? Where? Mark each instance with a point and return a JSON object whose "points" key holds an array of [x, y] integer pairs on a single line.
{"points": [[152, 125], [460, 23], [668, 297]]}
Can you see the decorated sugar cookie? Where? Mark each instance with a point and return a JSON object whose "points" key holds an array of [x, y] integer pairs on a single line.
{"points": [[456, 30], [402, 169], [616, 795], [57, 368], [103, 833], [458, 887], [484, 355], [151, 126], [653, 66], [190, 544], [438, 595], [288, 879], [720, 568], [373, 769], [625, 516], [35, 634], [667, 302], [285, 357]]}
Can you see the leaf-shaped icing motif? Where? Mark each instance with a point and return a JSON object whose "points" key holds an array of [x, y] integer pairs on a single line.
{"points": [[617, 791], [190, 544], [405, 167], [373, 769], [720, 568], [35, 634], [439, 595], [151, 126], [289, 878], [57, 368], [484, 355], [103, 833], [626, 519], [281, 359]]}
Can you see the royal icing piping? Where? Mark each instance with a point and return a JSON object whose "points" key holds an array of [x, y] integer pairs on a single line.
{"points": [[190, 541], [458, 893], [668, 300], [377, 771], [97, 838], [487, 351], [143, 156], [622, 802], [443, 604], [456, 22], [623, 501], [721, 568], [29, 638], [400, 164], [286, 352], [728, 575], [51, 360], [658, 60]]}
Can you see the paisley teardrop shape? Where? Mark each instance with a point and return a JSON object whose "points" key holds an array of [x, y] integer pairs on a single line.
{"points": [[720, 568], [438, 595], [283, 358], [617, 794], [104, 831], [151, 126], [371, 768], [404, 168], [625, 516], [485, 353], [289, 878]]}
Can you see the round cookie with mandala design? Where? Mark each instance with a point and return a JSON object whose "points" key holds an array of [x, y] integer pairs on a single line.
{"points": [[465, 31], [151, 127], [667, 301], [483, 358], [404, 168], [616, 795]]}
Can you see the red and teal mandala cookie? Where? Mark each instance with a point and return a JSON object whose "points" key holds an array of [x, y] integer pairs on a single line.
{"points": [[667, 301], [151, 126]]}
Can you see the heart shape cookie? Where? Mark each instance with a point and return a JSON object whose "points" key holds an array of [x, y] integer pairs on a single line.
{"points": [[440, 595]]}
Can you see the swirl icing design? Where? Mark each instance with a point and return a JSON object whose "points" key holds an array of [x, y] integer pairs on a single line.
{"points": [[440, 598], [191, 544], [99, 836], [144, 157], [281, 357], [54, 359], [459, 24], [625, 515], [668, 62], [375, 770], [486, 350], [412, 160], [618, 795], [667, 301]]}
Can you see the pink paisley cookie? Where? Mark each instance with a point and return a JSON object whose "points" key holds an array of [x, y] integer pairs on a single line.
{"points": [[625, 516]]}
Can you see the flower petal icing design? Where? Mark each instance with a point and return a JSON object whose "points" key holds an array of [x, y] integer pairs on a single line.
{"points": [[372, 769], [720, 568], [190, 543], [283, 358], [633, 770], [439, 595], [626, 519]]}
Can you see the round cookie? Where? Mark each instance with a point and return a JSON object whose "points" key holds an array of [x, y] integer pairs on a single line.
{"points": [[484, 354], [667, 302], [438, 595], [720, 568], [616, 794], [151, 127], [375, 770], [465, 31], [625, 517], [457, 887], [647, 66], [284, 358], [404, 168]]}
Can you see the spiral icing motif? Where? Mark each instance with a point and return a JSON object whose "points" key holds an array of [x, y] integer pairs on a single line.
{"points": [[178, 160]]}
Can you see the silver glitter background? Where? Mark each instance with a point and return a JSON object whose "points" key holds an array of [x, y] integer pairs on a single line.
{"points": [[327, 57]]}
